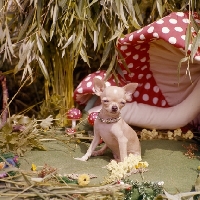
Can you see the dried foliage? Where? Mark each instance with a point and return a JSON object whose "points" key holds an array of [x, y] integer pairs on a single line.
{"points": [[53, 35], [21, 134]]}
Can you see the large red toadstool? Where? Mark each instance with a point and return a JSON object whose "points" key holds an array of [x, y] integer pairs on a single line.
{"points": [[74, 114]]}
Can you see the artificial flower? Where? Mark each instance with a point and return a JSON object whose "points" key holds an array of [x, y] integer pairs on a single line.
{"points": [[33, 167], [83, 179], [2, 165], [120, 170]]}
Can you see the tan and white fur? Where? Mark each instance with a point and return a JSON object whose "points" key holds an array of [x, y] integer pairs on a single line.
{"points": [[117, 135]]}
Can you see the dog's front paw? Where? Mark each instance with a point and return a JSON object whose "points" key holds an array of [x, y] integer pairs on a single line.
{"points": [[84, 158]]}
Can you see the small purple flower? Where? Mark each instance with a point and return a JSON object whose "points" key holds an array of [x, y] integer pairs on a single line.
{"points": [[2, 175]]}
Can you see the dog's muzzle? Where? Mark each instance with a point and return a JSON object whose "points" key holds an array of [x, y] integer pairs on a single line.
{"points": [[114, 108]]}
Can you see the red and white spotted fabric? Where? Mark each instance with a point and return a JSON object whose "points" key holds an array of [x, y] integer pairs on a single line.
{"points": [[85, 89], [146, 54]]}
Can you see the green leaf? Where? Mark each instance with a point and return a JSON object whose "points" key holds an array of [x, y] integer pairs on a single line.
{"points": [[101, 35], [159, 7], [69, 41], [26, 49], [77, 40], [139, 14], [9, 41], [7, 128], [23, 29], [194, 24], [94, 1], [55, 17], [117, 34], [187, 38], [84, 56], [179, 65], [195, 46], [43, 68], [106, 53], [120, 10], [111, 65], [39, 43], [96, 33], [39, 11]]}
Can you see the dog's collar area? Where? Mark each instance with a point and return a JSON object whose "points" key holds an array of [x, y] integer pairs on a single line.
{"points": [[109, 120]]}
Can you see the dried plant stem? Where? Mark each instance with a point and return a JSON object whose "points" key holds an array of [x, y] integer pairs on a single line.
{"points": [[15, 95]]}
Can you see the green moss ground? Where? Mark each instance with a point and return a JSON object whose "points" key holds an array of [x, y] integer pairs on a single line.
{"points": [[166, 159]]}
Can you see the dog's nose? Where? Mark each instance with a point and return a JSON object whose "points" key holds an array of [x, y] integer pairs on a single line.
{"points": [[114, 108]]}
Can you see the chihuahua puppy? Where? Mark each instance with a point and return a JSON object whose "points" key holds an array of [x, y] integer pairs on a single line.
{"points": [[115, 132]]}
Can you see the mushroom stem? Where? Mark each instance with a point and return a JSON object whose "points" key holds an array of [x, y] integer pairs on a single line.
{"points": [[73, 123]]}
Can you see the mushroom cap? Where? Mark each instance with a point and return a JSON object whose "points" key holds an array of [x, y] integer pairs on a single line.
{"points": [[70, 131], [140, 51], [74, 113], [92, 117]]}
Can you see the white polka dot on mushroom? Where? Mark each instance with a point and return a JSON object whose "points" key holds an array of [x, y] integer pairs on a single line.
{"points": [[137, 47], [155, 35], [145, 97], [87, 78], [130, 37], [140, 76], [172, 40], [180, 14], [156, 89], [183, 37], [144, 67], [140, 30], [80, 90], [107, 84], [123, 48], [186, 21], [128, 54], [165, 30], [136, 94], [89, 84], [143, 59], [147, 86], [197, 21], [150, 30], [148, 76], [124, 72], [136, 56], [160, 21], [173, 21], [163, 103], [130, 65], [178, 29], [142, 37], [99, 77], [155, 100], [131, 75]]}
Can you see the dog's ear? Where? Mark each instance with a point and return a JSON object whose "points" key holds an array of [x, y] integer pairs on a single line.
{"points": [[129, 90], [99, 86]]}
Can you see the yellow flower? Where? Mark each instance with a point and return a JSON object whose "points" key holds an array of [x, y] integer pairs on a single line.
{"points": [[142, 165], [33, 167], [83, 179]]}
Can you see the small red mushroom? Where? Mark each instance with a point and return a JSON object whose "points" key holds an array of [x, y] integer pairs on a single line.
{"points": [[92, 117], [74, 114], [70, 131]]}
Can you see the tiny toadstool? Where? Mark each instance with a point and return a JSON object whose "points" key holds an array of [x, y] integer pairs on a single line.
{"points": [[74, 114], [92, 117], [70, 131]]}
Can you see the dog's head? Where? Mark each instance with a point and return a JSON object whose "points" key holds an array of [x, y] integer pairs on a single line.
{"points": [[113, 98]]}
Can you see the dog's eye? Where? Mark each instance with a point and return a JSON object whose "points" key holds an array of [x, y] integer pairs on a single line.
{"points": [[122, 102], [105, 101]]}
